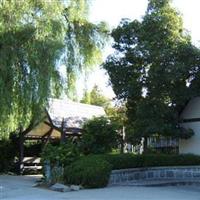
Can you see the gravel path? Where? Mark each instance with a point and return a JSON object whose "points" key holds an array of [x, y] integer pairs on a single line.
{"points": [[20, 188]]}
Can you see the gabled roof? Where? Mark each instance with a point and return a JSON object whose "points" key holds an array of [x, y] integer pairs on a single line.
{"points": [[72, 113]]}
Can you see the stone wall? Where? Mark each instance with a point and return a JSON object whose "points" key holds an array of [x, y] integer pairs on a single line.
{"points": [[138, 176]]}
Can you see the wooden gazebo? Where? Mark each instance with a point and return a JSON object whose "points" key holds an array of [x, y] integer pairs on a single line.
{"points": [[63, 118]]}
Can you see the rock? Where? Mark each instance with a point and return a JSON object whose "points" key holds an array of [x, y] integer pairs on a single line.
{"points": [[11, 173], [75, 187], [36, 185], [60, 188]]}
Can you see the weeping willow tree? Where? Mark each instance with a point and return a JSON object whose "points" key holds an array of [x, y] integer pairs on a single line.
{"points": [[31, 39], [34, 36], [84, 42]]}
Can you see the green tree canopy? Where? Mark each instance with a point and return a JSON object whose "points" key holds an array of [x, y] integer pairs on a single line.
{"points": [[84, 42], [155, 69], [35, 37], [100, 136], [95, 97], [31, 37]]}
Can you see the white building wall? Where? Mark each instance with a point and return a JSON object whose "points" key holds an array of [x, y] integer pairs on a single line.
{"points": [[191, 111], [191, 145]]}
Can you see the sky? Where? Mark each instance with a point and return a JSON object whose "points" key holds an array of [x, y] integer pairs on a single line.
{"points": [[112, 11]]}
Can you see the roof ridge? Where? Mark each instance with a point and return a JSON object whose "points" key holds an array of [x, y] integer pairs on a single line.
{"points": [[73, 102]]}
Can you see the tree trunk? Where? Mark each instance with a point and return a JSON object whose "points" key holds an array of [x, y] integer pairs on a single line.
{"points": [[145, 145]]}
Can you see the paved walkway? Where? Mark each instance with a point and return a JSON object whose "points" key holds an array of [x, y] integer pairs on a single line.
{"points": [[20, 188]]}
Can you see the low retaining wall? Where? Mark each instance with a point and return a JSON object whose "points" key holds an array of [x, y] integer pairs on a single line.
{"points": [[140, 176]]}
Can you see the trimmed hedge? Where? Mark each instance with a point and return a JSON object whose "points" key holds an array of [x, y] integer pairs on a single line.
{"points": [[93, 171], [125, 161], [90, 172]]}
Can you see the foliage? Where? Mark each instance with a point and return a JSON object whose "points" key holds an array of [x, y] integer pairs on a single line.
{"points": [[62, 154], [155, 70], [117, 114], [84, 42], [125, 161], [7, 155], [86, 97], [90, 172], [36, 38], [31, 38], [94, 170], [95, 97], [32, 148], [99, 136]]}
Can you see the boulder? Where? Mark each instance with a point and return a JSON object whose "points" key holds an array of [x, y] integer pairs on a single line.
{"points": [[60, 188], [75, 187]]}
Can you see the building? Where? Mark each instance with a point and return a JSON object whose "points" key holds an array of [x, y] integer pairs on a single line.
{"points": [[62, 119], [190, 118]]}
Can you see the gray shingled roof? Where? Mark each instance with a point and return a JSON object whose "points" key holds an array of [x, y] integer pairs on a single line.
{"points": [[71, 113], [74, 114]]}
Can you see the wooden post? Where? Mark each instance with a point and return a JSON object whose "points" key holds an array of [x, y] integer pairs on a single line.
{"points": [[21, 156], [46, 137], [63, 135]]}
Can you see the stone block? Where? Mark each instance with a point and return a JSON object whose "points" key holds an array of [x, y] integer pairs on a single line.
{"points": [[169, 174], [196, 174], [137, 176], [162, 174], [142, 175], [60, 188], [150, 175], [188, 174], [131, 177], [75, 187], [179, 174]]}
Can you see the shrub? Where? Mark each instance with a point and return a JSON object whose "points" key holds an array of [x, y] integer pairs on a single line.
{"points": [[62, 154], [7, 155], [89, 171], [99, 136], [124, 161], [58, 157]]}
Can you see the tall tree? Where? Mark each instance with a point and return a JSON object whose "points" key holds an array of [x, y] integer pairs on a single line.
{"points": [[84, 42], [95, 97], [31, 37], [155, 69], [34, 36]]}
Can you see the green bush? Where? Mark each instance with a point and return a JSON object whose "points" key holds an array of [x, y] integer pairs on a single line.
{"points": [[58, 156], [99, 136], [62, 154], [90, 172], [124, 161], [7, 155]]}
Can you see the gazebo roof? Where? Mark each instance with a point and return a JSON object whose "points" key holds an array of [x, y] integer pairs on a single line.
{"points": [[73, 114], [64, 115]]}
